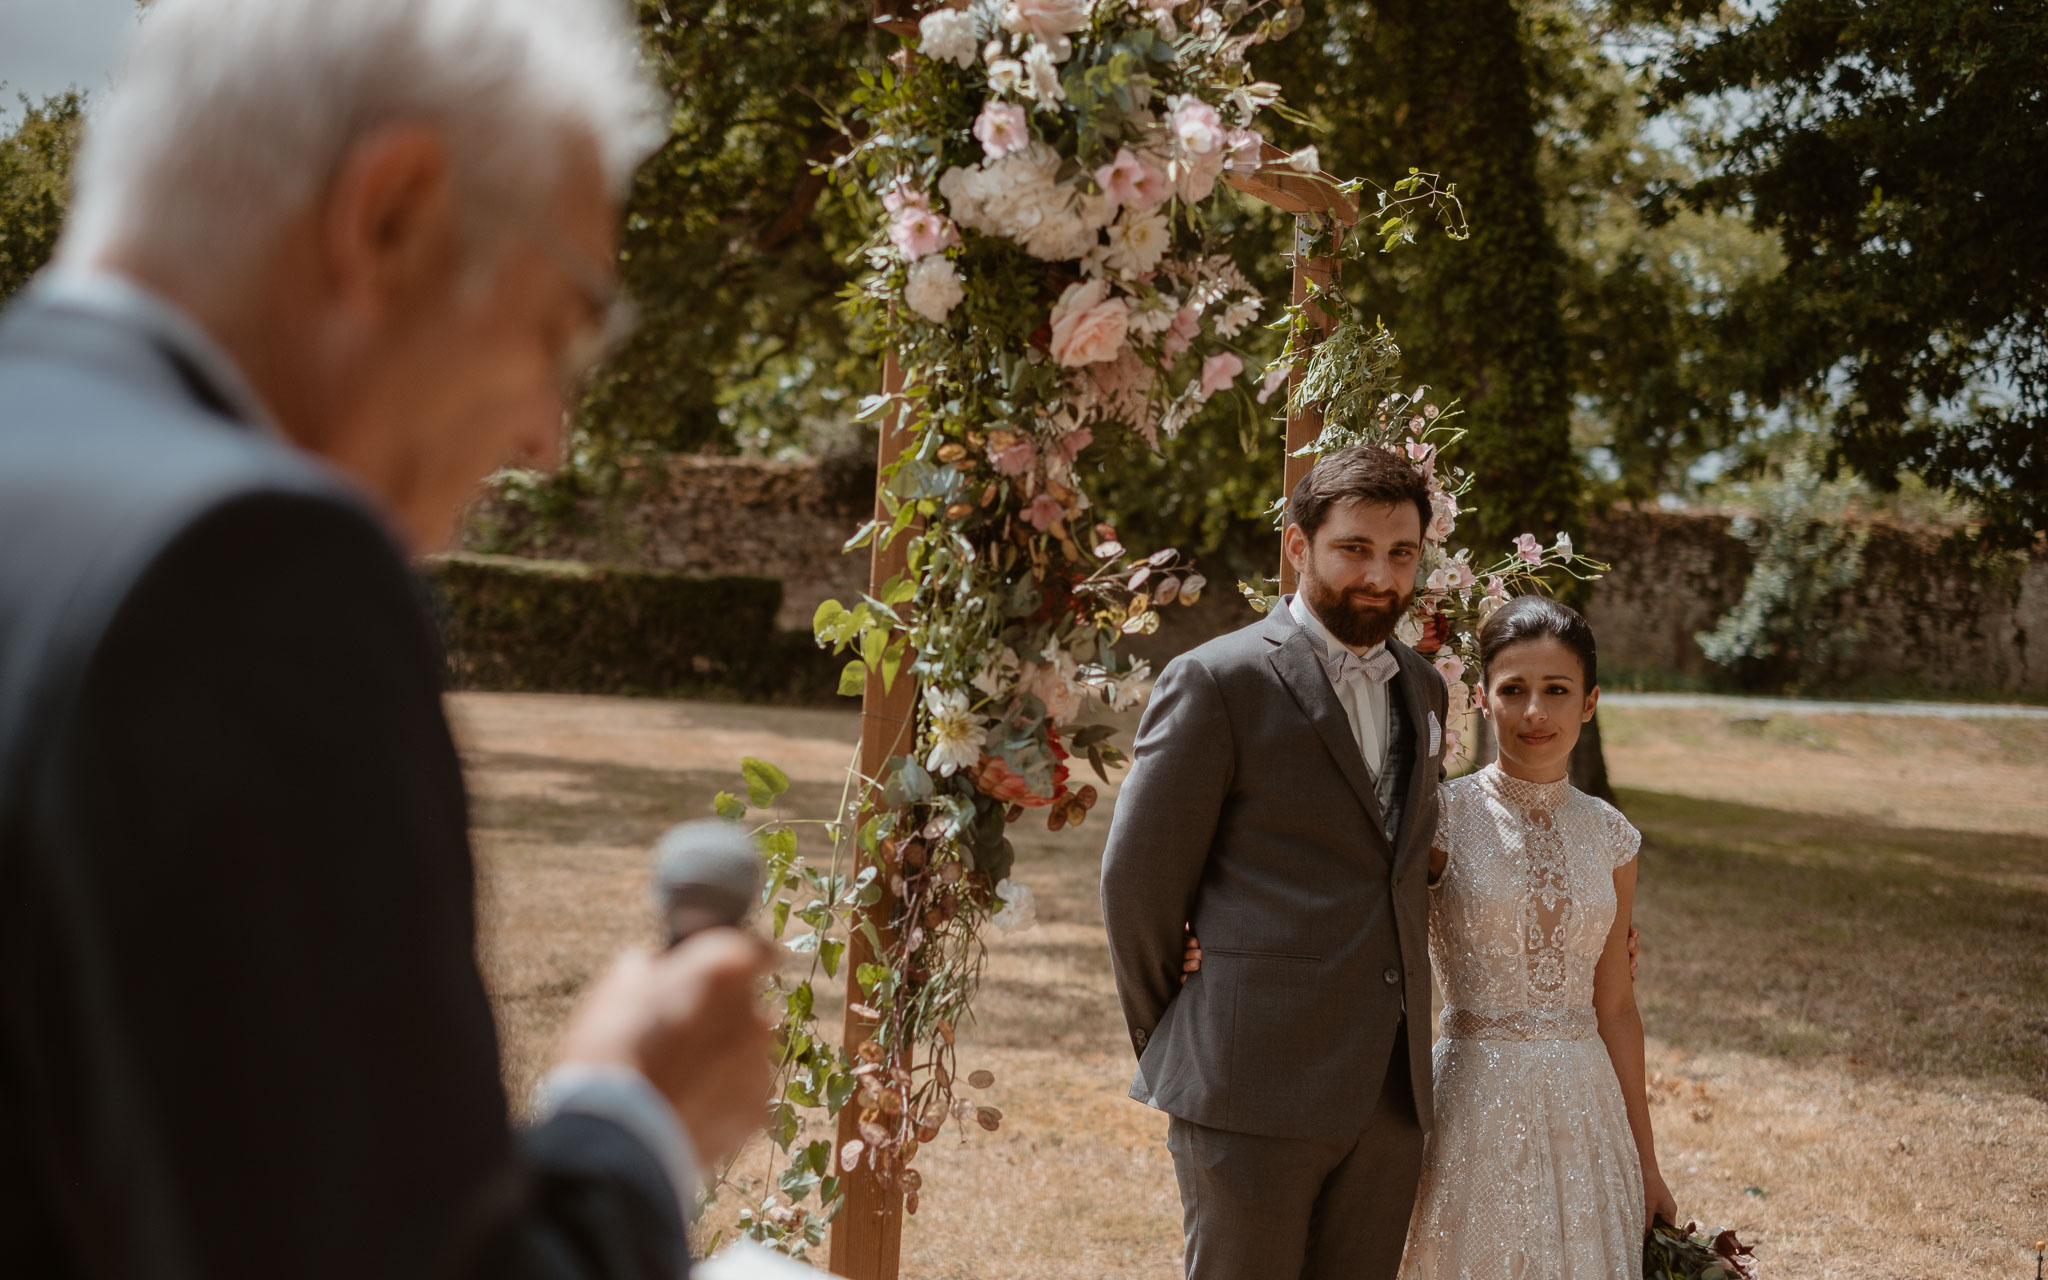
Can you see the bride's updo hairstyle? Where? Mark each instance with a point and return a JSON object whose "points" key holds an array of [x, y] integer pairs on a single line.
{"points": [[1537, 617]]}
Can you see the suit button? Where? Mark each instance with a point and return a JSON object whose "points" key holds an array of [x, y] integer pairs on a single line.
{"points": [[1393, 977]]}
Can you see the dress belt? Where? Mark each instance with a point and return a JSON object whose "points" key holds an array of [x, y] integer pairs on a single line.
{"points": [[1520, 1024]]}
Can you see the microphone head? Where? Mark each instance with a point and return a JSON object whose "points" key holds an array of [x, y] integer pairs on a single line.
{"points": [[706, 873]]}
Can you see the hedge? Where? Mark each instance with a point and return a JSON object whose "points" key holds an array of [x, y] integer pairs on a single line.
{"points": [[558, 626]]}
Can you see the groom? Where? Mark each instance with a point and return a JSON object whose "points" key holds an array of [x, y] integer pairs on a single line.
{"points": [[1282, 806]]}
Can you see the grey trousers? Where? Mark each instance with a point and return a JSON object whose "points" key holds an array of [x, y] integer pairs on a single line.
{"points": [[1259, 1208]]}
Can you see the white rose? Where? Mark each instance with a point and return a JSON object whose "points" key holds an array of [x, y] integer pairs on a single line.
{"points": [[947, 35], [1043, 76], [1047, 18], [933, 288], [1005, 75], [1137, 242]]}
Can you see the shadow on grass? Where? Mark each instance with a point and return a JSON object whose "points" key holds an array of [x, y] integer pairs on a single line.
{"points": [[1917, 952]]}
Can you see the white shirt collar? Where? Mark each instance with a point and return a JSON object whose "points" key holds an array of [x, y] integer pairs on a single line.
{"points": [[122, 300], [1297, 605]]}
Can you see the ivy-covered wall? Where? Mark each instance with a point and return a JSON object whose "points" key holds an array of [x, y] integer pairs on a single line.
{"points": [[562, 627]]}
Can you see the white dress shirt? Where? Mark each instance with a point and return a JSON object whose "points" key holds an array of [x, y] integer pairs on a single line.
{"points": [[1364, 701]]}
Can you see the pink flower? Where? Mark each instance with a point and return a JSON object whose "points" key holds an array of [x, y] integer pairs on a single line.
{"points": [[1529, 549], [1496, 587], [901, 195], [1219, 371], [1443, 519], [1451, 667], [1016, 459], [1001, 128], [1459, 575], [918, 232], [1187, 322], [1276, 377], [1198, 179], [1197, 126], [1246, 149], [1087, 325], [1131, 181], [1071, 444], [1044, 512], [1047, 19]]}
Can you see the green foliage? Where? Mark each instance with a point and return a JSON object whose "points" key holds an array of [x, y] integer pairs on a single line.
{"points": [[35, 178], [559, 627], [735, 245], [1895, 152], [1786, 631]]}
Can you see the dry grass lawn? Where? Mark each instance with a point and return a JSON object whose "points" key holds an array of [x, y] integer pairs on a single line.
{"points": [[1845, 979]]}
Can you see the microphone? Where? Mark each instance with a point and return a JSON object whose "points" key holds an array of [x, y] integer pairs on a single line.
{"points": [[706, 873]]}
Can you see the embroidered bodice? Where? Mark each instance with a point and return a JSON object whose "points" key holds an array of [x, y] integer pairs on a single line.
{"points": [[1519, 918]]}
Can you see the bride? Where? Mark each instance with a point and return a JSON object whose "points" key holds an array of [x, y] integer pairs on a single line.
{"points": [[1541, 1164]]}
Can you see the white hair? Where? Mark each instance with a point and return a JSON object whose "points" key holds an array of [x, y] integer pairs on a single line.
{"points": [[228, 116]]}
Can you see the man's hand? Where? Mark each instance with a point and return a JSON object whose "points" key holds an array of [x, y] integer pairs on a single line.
{"points": [[1191, 958], [692, 1021], [1634, 945]]}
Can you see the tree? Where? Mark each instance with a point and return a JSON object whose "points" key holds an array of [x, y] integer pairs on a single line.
{"points": [[1896, 153], [35, 179]]}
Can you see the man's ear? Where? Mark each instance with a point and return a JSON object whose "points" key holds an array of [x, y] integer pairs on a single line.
{"points": [[387, 220], [1294, 544]]}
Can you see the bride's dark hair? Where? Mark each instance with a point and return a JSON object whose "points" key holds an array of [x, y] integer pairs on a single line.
{"points": [[1537, 617]]}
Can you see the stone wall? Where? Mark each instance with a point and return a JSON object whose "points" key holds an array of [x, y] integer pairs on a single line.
{"points": [[1933, 626]]}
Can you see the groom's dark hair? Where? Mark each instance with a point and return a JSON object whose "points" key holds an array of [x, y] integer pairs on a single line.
{"points": [[1367, 473]]}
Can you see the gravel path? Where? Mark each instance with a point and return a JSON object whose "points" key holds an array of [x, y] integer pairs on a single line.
{"points": [[1807, 707]]}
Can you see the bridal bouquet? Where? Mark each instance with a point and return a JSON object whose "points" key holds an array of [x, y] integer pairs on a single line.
{"points": [[1671, 1253]]}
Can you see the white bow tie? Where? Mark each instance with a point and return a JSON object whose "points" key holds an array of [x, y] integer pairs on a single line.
{"points": [[1378, 666]]}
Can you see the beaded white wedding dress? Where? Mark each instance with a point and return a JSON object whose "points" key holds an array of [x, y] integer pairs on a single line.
{"points": [[1531, 1171]]}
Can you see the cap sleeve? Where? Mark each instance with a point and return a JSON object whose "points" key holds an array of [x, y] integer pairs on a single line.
{"points": [[1623, 840]]}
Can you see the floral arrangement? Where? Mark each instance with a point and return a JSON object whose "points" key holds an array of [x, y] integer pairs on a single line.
{"points": [[1048, 264], [1671, 1253]]}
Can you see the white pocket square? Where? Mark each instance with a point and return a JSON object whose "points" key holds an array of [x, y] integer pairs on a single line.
{"points": [[1436, 735]]}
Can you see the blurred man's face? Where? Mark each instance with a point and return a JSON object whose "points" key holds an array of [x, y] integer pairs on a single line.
{"points": [[460, 365]]}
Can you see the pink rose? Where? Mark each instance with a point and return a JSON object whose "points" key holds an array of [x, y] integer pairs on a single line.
{"points": [[1001, 129], [1131, 181], [1044, 512], [1197, 126], [1187, 322], [1047, 19], [918, 232], [1219, 371], [1088, 327], [1529, 549]]}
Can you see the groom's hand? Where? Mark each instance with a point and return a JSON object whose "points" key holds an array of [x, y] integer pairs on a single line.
{"points": [[1634, 945], [1191, 957]]}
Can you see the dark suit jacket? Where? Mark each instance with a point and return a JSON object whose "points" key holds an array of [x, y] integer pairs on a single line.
{"points": [[242, 1029], [1250, 813]]}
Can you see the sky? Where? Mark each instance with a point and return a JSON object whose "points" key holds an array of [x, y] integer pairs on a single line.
{"points": [[47, 46]]}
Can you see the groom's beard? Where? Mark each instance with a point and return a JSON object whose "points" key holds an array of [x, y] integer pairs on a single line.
{"points": [[1360, 619]]}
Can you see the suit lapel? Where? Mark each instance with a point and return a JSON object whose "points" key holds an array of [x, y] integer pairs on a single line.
{"points": [[1415, 669], [1301, 669]]}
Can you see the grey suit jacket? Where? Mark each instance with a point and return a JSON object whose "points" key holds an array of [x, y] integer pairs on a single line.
{"points": [[242, 1030], [1250, 814]]}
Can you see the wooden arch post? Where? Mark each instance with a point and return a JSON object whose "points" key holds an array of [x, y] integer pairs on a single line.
{"points": [[867, 1235]]}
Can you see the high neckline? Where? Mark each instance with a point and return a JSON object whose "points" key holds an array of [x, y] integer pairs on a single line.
{"points": [[1546, 796]]}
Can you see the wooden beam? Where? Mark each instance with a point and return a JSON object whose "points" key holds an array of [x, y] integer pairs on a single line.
{"points": [[1287, 188], [867, 1236], [1303, 427]]}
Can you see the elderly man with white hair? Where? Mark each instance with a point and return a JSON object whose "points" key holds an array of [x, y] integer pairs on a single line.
{"points": [[330, 262]]}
